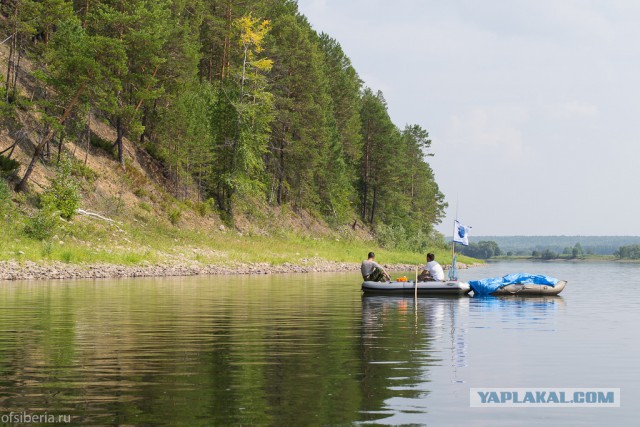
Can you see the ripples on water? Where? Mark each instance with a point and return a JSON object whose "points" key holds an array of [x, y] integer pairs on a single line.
{"points": [[298, 350]]}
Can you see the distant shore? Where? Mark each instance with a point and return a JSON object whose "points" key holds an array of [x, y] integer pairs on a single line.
{"points": [[590, 258], [28, 270]]}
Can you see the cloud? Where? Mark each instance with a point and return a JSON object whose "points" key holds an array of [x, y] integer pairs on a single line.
{"points": [[314, 6], [536, 99], [573, 110], [489, 133]]}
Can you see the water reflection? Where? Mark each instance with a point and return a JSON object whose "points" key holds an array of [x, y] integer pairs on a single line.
{"points": [[510, 312], [240, 351], [402, 339], [291, 350]]}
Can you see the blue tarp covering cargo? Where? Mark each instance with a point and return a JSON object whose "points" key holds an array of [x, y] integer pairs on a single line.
{"points": [[488, 286]]}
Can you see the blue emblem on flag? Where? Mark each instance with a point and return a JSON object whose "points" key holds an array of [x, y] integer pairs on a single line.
{"points": [[461, 233]]}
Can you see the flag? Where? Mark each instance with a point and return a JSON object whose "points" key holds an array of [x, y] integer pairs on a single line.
{"points": [[461, 234]]}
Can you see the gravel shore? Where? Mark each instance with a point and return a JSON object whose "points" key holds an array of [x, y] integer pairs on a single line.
{"points": [[27, 270]]}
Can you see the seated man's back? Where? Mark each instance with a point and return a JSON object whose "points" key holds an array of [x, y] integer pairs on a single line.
{"points": [[367, 267], [372, 271], [432, 271], [435, 270]]}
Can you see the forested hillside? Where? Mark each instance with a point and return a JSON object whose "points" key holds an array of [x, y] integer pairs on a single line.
{"points": [[242, 103]]}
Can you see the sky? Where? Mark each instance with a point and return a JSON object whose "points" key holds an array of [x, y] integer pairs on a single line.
{"points": [[533, 106]]}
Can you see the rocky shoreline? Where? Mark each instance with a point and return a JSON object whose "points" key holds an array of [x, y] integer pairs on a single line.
{"points": [[28, 270]]}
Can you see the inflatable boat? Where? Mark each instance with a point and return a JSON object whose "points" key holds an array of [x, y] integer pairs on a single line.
{"points": [[537, 290], [424, 288], [518, 284]]}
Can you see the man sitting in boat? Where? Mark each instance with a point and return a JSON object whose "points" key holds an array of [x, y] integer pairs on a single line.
{"points": [[372, 271], [432, 271]]}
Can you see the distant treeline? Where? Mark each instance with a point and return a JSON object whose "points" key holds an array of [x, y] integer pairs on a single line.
{"points": [[568, 253], [486, 249], [481, 250], [589, 245], [628, 252]]}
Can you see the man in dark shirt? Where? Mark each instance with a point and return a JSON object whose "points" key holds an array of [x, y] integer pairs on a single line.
{"points": [[372, 271]]}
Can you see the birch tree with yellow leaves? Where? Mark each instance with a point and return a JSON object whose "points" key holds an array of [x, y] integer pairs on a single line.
{"points": [[241, 147]]}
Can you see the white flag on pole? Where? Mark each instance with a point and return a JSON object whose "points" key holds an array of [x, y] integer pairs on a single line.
{"points": [[461, 234]]}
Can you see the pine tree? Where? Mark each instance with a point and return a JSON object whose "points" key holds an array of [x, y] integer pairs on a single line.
{"points": [[20, 24], [142, 27], [301, 132], [79, 68], [427, 202], [379, 175], [177, 124], [344, 87]]}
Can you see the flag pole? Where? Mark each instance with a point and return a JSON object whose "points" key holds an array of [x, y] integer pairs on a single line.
{"points": [[453, 246], [453, 241]]}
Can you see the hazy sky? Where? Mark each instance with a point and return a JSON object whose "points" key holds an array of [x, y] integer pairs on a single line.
{"points": [[533, 106]]}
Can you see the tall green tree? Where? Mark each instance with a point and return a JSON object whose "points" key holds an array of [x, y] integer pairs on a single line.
{"points": [[186, 132], [176, 124], [419, 186], [378, 173], [142, 27], [344, 87], [20, 23], [300, 132], [78, 68]]}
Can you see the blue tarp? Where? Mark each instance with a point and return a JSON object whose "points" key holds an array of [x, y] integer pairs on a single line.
{"points": [[488, 286]]}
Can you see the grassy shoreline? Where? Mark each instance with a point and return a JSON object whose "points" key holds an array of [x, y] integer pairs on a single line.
{"points": [[133, 223], [151, 248]]}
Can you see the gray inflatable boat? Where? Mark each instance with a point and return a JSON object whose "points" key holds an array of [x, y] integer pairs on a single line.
{"points": [[537, 290], [424, 288]]}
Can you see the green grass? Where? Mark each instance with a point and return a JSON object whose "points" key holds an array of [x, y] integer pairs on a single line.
{"points": [[86, 240], [140, 237]]}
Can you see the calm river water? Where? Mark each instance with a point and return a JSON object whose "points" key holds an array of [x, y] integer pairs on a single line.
{"points": [[311, 350]]}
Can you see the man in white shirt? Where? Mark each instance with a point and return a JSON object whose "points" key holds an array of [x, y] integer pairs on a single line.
{"points": [[432, 271], [372, 271]]}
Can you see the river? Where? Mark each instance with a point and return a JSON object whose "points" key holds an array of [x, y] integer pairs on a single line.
{"points": [[311, 350]]}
